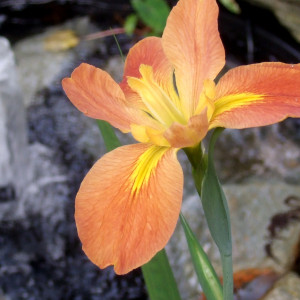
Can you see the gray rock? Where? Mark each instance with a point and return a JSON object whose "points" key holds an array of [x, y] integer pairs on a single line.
{"points": [[287, 288], [3, 297], [40, 253], [267, 152], [44, 198], [252, 206], [39, 182], [13, 138], [40, 68], [114, 67]]}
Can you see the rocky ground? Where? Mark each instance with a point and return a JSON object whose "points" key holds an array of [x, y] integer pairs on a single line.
{"points": [[49, 147]]}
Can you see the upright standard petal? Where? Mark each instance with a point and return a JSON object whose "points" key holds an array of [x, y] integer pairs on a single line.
{"points": [[192, 43], [97, 95], [257, 95], [128, 205], [148, 52]]}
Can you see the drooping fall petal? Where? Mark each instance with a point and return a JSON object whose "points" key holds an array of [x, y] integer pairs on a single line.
{"points": [[97, 95], [128, 205], [257, 95], [148, 52], [192, 43]]}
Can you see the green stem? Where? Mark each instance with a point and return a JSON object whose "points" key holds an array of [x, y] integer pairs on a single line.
{"points": [[198, 160], [215, 207], [227, 276]]}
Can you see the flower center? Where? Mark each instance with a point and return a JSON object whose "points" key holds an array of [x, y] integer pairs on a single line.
{"points": [[162, 103], [206, 99]]}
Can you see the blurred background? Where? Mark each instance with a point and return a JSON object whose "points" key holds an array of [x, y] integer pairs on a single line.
{"points": [[47, 146]]}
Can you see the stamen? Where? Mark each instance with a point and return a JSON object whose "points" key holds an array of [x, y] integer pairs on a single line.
{"points": [[157, 100], [206, 99]]}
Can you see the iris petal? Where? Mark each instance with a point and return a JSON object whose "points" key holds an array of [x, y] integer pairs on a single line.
{"points": [[128, 205], [257, 95], [192, 43]]}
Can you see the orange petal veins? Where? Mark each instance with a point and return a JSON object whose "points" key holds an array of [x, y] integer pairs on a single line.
{"points": [[148, 52], [97, 95], [128, 205], [192, 43], [257, 95]]}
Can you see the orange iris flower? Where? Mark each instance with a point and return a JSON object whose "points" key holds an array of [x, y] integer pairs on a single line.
{"points": [[128, 204]]}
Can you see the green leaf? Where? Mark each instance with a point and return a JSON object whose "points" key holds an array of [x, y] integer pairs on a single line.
{"points": [[217, 214], [206, 274], [158, 274], [111, 141], [214, 202], [159, 278], [130, 23], [231, 5], [153, 13]]}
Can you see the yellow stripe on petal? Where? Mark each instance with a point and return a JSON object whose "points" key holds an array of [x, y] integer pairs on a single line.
{"points": [[257, 95], [145, 166], [229, 102]]}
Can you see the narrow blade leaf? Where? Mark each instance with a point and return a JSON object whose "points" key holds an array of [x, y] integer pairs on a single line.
{"points": [[206, 274], [217, 214], [214, 202], [159, 278]]}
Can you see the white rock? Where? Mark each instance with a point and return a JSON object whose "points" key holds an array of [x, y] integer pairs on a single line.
{"points": [[13, 138]]}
